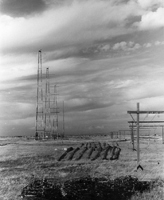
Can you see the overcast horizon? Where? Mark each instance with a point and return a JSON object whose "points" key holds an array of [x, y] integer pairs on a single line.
{"points": [[104, 55]]}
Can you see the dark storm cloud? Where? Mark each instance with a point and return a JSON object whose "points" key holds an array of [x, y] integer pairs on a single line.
{"points": [[18, 8]]}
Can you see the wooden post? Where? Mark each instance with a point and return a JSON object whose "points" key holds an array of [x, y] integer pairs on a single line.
{"points": [[132, 136], [138, 148], [132, 133]]}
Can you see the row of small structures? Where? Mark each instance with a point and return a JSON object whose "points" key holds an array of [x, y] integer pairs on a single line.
{"points": [[91, 151]]}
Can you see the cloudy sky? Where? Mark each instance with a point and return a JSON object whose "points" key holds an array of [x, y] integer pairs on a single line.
{"points": [[105, 56]]}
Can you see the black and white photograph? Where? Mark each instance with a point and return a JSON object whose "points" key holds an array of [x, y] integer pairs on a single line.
{"points": [[81, 99]]}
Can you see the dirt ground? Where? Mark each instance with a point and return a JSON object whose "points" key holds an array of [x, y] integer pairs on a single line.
{"points": [[22, 159]]}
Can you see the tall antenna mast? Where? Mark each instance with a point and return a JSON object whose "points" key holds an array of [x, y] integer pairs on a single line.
{"points": [[63, 122], [47, 114], [56, 106], [54, 112], [39, 107]]}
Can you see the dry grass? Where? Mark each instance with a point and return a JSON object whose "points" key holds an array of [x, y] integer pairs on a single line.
{"points": [[23, 159], [156, 193]]}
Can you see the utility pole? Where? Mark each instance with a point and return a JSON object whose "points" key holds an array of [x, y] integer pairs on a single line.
{"points": [[138, 127], [138, 145], [39, 104]]}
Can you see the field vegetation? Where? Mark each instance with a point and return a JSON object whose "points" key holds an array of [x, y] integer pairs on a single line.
{"points": [[25, 159]]}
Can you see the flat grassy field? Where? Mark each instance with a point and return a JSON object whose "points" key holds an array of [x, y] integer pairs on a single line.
{"points": [[24, 159]]}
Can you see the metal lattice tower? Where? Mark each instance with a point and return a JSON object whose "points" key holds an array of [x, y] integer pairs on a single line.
{"points": [[54, 117], [63, 122], [47, 110], [39, 107]]}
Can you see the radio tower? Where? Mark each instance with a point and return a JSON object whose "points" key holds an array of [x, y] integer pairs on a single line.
{"points": [[47, 114], [56, 108], [63, 122], [55, 112], [39, 107]]}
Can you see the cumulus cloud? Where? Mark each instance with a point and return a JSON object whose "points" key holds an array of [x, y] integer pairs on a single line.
{"points": [[75, 24], [152, 20], [157, 43], [147, 45], [151, 4], [105, 47], [93, 49], [68, 29], [70, 35], [126, 46], [121, 45]]}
